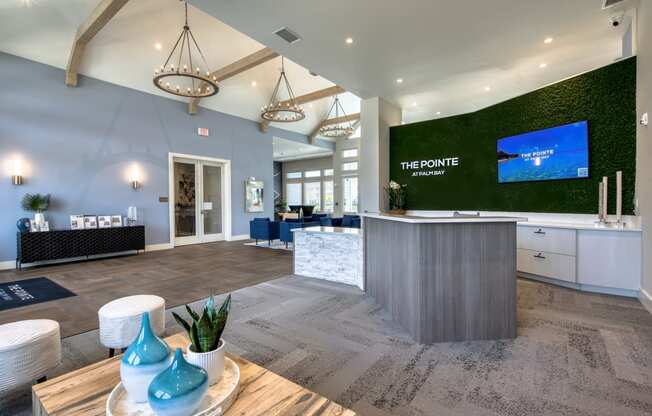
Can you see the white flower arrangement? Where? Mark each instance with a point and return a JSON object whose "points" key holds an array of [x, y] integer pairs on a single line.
{"points": [[397, 194]]}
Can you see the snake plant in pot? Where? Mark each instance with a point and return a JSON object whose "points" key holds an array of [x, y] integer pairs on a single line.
{"points": [[206, 348]]}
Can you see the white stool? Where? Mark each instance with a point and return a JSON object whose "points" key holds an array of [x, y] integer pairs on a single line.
{"points": [[28, 350], [120, 319]]}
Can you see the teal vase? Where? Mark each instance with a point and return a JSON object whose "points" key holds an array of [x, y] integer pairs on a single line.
{"points": [[179, 390], [145, 358]]}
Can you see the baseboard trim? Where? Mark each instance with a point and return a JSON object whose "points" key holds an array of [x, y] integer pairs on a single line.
{"points": [[7, 265], [645, 299], [158, 247], [581, 287], [239, 237]]}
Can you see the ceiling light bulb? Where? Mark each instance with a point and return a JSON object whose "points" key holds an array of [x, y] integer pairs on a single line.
{"points": [[547, 40], [254, 83], [487, 88], [349, 41], [399, 80], [414, 104], [438, 112], [158, 46], [543, 65]]}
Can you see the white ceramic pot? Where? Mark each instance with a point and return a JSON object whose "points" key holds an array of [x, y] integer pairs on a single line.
{"points": [[39, 218], [212, 361]]}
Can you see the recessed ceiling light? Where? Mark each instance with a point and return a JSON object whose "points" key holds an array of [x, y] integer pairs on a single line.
{"points": [[349, 41], [254, 83], [543, 65], [487, 88], [399, 80], [438, 113], [547, 40], [158, 46]]}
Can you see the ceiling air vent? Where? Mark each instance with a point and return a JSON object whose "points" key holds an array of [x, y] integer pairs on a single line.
{"points": [[606, 4], [287, 35]]}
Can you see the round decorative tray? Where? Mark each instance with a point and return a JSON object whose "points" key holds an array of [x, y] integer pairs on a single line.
{"points": [[219, 398]]}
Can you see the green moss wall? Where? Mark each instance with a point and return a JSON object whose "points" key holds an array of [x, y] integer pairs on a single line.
{"points": [[606, 97]]}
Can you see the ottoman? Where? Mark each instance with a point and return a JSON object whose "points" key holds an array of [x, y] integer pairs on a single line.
{"points": [[28, 350], [120, 319]]}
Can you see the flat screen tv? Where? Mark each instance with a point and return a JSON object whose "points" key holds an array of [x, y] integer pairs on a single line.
{"points": [[556, 153]]}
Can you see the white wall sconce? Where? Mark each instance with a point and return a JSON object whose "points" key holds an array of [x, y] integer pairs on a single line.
{"points": [[135, 177], [16, 171]]}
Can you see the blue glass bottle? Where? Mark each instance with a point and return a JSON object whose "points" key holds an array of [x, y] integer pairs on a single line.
{"points": [[145, 358], [179, 390]]}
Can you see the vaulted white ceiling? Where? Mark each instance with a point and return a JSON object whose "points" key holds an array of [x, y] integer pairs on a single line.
{"points": [[446, 51], [124, 52]]}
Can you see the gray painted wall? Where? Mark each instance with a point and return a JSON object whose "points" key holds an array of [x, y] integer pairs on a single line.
{"points": [[78, 144], [644, 138]]}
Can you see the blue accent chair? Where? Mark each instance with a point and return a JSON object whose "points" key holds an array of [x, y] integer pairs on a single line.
{"points": [[264, 229], [318, 217], [287, 236], [351, 221]]}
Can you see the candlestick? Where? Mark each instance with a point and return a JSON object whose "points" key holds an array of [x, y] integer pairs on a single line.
{"points": [[600, 201], [619, 196], [605, 197]]}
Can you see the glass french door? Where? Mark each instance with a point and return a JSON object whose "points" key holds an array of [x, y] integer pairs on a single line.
{"points": [[198, 200]]}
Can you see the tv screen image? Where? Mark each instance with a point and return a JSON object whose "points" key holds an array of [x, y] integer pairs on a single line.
{"points": [[556, 153]]}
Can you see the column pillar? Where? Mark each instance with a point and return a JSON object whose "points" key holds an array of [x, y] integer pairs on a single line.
{"points": [[376, 117]]}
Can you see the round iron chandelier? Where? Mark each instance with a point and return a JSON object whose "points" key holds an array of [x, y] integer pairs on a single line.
{"points": [[179, 75], [283, 111], [343, 129]]}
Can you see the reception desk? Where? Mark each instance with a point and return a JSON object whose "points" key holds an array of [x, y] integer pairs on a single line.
{"points": [[444, 279]]}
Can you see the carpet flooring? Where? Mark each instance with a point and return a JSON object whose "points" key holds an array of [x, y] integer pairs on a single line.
{"points": [[576, 354]]}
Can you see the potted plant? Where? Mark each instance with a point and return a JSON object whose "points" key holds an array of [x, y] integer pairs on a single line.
{"points": [[397, 194], [206, 348], [37, 204]]}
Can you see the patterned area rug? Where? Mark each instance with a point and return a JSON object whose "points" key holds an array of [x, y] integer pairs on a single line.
{"points": [[576, 354]]}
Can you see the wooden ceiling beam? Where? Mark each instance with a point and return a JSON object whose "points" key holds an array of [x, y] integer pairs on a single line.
{"points": [[331, 121], [100, 16], [308, 98], [239, 66]]}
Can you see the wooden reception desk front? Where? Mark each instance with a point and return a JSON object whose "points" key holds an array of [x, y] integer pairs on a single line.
{"points": [[444, 279]]}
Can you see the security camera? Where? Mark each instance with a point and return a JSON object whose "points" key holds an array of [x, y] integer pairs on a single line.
{"points": [[616, 20]]}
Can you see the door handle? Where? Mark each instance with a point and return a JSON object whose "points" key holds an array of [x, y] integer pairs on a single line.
{"points": [[540, 231], [539, 256]]}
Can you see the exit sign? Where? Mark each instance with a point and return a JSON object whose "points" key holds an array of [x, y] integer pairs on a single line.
{"points": [[202, 132]]}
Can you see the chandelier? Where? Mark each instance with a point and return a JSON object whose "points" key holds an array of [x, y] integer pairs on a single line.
{"points": [[342, 129], [179, 75], [283, 111]]}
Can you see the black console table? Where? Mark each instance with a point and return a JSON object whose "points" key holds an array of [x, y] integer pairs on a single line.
{"points": [[62, 244]]}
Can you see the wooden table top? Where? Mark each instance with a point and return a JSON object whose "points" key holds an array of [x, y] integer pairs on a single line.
{"points": [[84, 391]]}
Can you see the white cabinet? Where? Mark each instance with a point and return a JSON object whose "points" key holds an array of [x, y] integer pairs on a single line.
{"points": [[600, 260], [609, 259], [551, 240], [554, 266]]}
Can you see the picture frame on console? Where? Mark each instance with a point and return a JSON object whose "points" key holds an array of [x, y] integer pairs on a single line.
{"points": [[90, 221], [76, 222], [104, 221], [116, 220]]}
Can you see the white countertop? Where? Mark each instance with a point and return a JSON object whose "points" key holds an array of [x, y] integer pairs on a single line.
{"points": [[329, 230], [442, 220], [579, 226]]}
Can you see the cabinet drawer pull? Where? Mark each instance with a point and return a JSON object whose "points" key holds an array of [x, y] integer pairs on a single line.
{"points": [[539, 256], [539, 231]]}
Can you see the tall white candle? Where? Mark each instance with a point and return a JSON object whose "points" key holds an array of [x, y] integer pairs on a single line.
{"points": [[605, 197], [619, 195], [600, 200]]}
